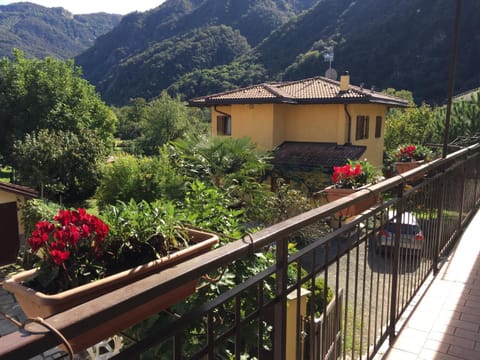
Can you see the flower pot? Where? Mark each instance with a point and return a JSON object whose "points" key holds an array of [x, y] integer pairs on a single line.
{"points": [[35, 303], [333, 194], [409, 165]]}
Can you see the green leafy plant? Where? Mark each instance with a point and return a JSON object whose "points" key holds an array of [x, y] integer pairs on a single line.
{"points": [[143, 231], [210, 208]]}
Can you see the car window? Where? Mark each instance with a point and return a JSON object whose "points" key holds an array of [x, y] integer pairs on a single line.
{"points": [[404, 228], [409, 229]]}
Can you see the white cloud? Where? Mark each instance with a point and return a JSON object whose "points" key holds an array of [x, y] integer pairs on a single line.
{"points": [[92, 6]]}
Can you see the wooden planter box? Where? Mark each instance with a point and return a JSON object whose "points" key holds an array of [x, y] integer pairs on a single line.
{"points": [[333, 194], [35, 303], [403, 167]]}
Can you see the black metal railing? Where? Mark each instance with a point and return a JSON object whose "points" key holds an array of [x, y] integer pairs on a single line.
{"points": [[358, 275]]}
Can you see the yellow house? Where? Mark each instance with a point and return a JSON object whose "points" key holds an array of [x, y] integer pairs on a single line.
{"points": [[12, 197], [302, 113]]}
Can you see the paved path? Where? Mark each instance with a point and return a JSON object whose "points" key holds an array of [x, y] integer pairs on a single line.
{"points": [[446, 323], [9, 307]]}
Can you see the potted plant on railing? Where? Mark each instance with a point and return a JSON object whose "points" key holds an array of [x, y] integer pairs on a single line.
{"points": [[349, 178], [411, 156], [80, 258]]}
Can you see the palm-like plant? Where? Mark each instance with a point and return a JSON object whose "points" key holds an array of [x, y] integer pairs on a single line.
{"points": [[235, 166]]}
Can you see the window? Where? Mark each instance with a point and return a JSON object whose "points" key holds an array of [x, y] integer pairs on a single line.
{"points": [[224, 125], [362, 127], [378, 126]]}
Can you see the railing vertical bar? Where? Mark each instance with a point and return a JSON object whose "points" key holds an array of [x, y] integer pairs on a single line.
{"points": [[177, 344], [260, 318], [210, 335], [355, 302], [324, 300], [280, 319], [338, 305], [439, 236], [370, 299], [377, 309], [477, 179], [298, 320], [386, 286], [364, 282], [347, 290], [238, 329], [313, 347], [462, 196], [395, 262]]}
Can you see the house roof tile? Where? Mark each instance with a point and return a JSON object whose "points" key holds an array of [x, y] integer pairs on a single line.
{"points": [[310, 155], [316, 90]]}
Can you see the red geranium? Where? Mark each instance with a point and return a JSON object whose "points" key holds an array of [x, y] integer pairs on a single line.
{"points": [[354, 174], [70, 246], [406, 153], [409, 153]]}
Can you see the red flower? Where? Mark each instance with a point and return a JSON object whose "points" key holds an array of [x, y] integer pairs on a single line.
{"points": [[406, 153], [59, 256], [74, 235], [36, 242], [346, 172]]}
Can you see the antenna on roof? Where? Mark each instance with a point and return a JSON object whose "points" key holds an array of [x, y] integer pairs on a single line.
{"points": [[328, 56]]}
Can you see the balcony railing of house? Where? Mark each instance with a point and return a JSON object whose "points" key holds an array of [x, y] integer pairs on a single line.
{"points": [[284, 311]]}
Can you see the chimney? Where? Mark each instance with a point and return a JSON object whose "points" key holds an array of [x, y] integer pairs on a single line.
{"points": [[344, 81]]}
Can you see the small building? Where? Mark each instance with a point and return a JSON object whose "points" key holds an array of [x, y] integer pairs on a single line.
{"points": [[467, 95], [314, 110], [12, 198]]}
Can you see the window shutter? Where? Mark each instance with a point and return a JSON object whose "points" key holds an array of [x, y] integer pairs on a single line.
{"points": [[378, 126]]}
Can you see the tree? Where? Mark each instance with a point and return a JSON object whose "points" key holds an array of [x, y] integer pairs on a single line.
{"points": [[60, 163], [166, 119], [411, 125], [464, 121], [130, 118], [48, 94]]}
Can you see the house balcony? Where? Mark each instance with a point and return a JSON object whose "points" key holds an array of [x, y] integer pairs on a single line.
{"points": [[346, 291]]}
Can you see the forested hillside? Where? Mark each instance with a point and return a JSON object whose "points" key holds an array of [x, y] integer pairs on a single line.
{"points": [[389, 43], [178, 21], [39, 31], [195, 47]]}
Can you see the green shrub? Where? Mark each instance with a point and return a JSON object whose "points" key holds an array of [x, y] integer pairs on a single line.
{"points": [[317, 299], [139, 178], [36, 210]]}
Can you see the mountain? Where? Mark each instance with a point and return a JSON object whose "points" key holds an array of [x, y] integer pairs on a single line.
{"points": [[389, 43], [39, 31], [176, 23], [196, 47]]}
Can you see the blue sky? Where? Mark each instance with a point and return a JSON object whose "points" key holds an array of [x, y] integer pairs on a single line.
{"points": [[92, 6]]}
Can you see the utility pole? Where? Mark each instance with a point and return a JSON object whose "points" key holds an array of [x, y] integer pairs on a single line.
{"points": [[451, 85]]}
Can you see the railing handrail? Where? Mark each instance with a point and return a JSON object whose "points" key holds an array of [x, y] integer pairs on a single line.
{"points": [[84, 317]]}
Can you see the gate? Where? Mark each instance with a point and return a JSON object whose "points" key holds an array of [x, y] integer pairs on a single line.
{"points": [[326, 332], [9, 237]]}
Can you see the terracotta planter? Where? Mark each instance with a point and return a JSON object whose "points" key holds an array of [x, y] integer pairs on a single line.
{"points": [[35, 303], [406, 166], [333, 194]]}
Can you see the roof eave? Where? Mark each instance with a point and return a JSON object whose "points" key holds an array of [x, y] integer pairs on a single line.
{"points": [[19, 190], [211, 102]]}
